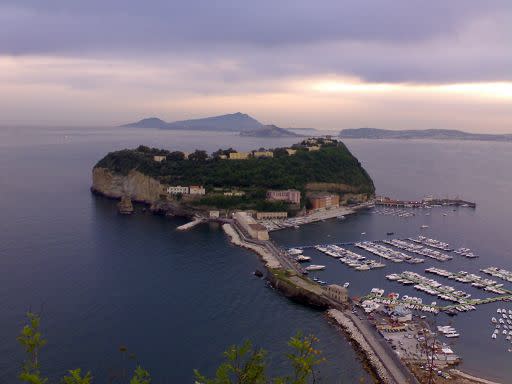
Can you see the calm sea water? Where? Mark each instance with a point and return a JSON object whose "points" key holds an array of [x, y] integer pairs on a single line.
{"points": [[178, 299], [100, 280]]}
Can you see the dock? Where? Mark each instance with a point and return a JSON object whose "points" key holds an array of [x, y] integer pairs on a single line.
{"points": [[425, 203], [191, 224]]}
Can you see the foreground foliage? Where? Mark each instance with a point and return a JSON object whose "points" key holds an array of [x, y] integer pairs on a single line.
{"points": [[32, 342], [242, 365], [246, 365]]}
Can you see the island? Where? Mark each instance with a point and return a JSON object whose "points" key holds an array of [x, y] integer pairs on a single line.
{"points": [[294, 181], [233, 122], [432, 134]]}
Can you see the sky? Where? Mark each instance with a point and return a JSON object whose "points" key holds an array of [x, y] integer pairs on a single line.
{"points": [[327, 64]]}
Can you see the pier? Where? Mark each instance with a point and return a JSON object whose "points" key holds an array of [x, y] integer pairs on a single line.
{"points": [[425, 203], [191, 224]]}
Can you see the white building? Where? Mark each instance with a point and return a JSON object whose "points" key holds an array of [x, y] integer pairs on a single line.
{"points": [[175, 190], [271, 215], [197, 190], [159, 159], [255, 230]]}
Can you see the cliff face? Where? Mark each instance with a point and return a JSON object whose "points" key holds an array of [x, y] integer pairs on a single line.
{"points": [[135, 185]]}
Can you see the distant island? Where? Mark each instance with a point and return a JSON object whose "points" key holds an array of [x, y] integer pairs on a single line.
{"points": [[434, 134], [317, 172], [234, 122], [269, 131]]}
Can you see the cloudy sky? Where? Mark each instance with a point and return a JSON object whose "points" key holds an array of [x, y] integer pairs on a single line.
{"points": [[327, 64]]}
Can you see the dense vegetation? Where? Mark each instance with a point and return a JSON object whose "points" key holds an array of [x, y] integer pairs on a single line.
{"points": [[331, 164], [242, 364]]}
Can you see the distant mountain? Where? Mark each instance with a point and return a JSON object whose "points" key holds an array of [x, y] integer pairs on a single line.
{"points": [[150, 122], [235, 122], [269, 131], [435, 134]]}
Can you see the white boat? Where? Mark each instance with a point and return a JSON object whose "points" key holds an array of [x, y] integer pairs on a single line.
{"points": [[346, 285], [424, 226], [302, 258], [493, 336], [314, 267], [494, 320], [363, 233]]}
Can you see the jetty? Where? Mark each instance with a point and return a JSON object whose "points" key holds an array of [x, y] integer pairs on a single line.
{"points": [[191, 224], [425, 203], [389, 368]]}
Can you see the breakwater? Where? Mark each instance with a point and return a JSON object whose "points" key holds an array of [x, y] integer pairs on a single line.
{"points": [[384, 365]]}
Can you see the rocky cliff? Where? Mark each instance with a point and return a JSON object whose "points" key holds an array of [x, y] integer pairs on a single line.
{"points": [[137, 186]]}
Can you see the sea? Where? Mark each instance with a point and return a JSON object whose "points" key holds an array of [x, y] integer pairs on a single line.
{"points": [[103, 282]]}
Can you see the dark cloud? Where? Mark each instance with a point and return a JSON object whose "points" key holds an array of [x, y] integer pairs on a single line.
{"points": [[383, 40]]}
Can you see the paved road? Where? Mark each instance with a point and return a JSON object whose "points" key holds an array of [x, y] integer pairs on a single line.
{"points": [[398, 371]]}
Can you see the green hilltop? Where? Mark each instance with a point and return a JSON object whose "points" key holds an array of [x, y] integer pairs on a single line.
{"points": [[313, 162]]}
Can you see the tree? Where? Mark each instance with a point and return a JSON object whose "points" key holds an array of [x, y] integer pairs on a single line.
{"points": [[176, 156], [32, 341], [75, 377], [198, 155], [246, 365], [243, 365], [428, 348], [140, 376], [280, 152]]}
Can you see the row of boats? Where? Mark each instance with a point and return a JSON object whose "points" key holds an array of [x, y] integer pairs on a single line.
{"points": [[296, 254], [387, 253], [434, 288], [498, 272], [470, 278], [418, 249], [432, 243], [349, 258], [394, 212], [466, 252], [410, 302]]}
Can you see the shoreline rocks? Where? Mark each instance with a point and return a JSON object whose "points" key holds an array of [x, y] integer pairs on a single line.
{"points": [[125, 206]]}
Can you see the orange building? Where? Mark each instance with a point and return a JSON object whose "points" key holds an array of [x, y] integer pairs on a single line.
{"points": [[324, 200]]}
